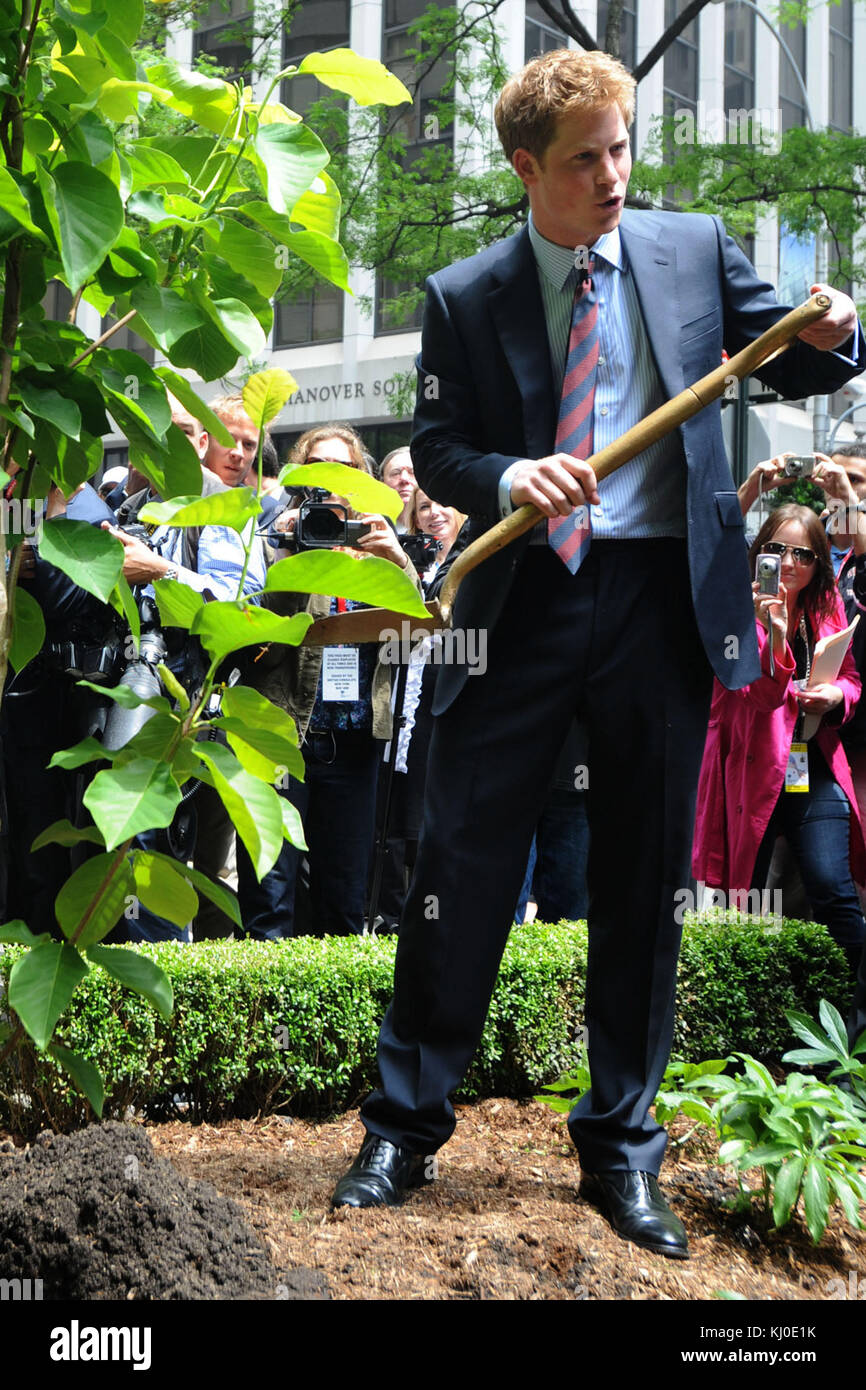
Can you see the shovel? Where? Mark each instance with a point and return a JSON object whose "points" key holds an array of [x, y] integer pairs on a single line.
{"points": [[368, 625]]}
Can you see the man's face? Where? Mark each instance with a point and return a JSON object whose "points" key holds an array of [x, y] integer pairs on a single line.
{"points": [[856, 470], [232, 465], [577, 189], [400, 475]]}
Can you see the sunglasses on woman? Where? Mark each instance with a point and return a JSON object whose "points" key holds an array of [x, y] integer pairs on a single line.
{"points": [[799, 553]]}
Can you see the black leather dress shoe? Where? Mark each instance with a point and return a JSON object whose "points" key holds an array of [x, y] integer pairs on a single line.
{"points": [[637, 1211], [380, 1176]]}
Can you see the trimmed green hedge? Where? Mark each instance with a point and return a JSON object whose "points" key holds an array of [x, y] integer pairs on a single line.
{"points": [[293, 1025]]}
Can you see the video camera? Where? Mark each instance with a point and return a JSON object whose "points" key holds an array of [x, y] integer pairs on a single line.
{"points": [[421, 548], [323, 525]]}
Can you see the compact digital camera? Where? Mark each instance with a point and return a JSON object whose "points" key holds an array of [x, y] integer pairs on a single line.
{"points": [[768, 572], [800, 466]]}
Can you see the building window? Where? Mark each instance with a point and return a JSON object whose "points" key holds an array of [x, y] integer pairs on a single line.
{"points": [[841, 65], [225, 34], [541, 34], [57, 301], [424, 128], [628, 32], [312, 315], [790, 91], [314, 29], [681, 63], [739, 61]]}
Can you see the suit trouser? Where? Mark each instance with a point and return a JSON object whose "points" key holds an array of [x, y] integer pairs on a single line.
{"points": [[617, 643]]}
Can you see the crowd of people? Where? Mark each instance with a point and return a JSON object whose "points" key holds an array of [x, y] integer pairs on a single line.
{"points": [[365, 751]]}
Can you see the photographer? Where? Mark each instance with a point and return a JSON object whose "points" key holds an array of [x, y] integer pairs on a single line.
{"points": [[758, 778], [340, 698]]}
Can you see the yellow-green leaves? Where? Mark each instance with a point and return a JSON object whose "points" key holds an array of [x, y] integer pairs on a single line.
{"points": [[365, 79], [266, 393]]}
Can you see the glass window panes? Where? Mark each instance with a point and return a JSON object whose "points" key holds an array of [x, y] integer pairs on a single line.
{"points": [[841, 56], [314, 315], [739, 58], [541, 34], [224, 32], [790, 92]]}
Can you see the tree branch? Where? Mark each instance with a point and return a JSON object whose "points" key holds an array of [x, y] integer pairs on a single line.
{"points": [[569, 23], [670, 34]]}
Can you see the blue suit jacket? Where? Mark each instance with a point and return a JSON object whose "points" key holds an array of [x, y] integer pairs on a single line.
{"points": [[486, 398]]}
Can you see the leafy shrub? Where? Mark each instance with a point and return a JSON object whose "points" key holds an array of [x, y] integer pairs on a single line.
{"points": [[264, 1026]]}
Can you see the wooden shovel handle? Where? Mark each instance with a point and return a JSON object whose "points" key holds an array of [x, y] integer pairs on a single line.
{"points": [[661, 422]]}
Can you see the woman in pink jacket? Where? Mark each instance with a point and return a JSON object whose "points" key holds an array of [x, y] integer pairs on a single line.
{"points": [[746, 795]]}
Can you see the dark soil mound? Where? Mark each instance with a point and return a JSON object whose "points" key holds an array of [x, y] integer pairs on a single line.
{"points": [[98, 1215]]}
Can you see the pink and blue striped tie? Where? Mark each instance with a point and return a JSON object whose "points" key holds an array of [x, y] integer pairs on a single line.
{"points": [[570, 535]]}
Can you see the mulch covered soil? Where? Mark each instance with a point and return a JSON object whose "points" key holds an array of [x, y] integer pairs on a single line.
{"points": [[503, 1220], [241, 1210]]}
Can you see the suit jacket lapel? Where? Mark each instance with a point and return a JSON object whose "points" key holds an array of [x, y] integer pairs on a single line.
{"points": [[518, 316], [653, 264]]}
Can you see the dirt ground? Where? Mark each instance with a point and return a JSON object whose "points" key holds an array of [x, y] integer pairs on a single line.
{"points": [[503, 1220]]}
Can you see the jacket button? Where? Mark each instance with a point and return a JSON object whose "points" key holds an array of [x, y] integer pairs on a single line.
{"points": [[750, 757], [739, 810]]}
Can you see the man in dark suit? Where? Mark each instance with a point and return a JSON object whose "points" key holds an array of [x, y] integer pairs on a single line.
{"points": [[519, 343]]}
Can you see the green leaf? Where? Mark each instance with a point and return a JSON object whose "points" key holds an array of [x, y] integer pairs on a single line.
{"points": [[293, 831], [253, 806], [87, 751], [263, 752], [319, 208], [205, 351], [265, 394], [180, 387], [291, 156], [177, 603], [233, 508], [84, 1075], [50, 405], [362, 492], [41, 985], [123, 602], [139, 795], [256, 711], [224, 899], [151, 167], [816, 1198], [91, 558], [365, 79], [63, 832], [849, 1199], [239, 326], [804, 1027], [174, 468], [18, 933], [323, 253], [91, 883], [125, 18], [225, 627], [28, 631], [89, 216], [208, 100], [15, 209], [255, 253], [16, 417], [347, 574], [832, 1021], [164, 892], [168, 315], [136, 972], [173, 686], [124, 695]]}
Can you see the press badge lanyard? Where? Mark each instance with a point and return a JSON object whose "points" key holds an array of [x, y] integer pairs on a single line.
{"points": [[797, 771]]}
